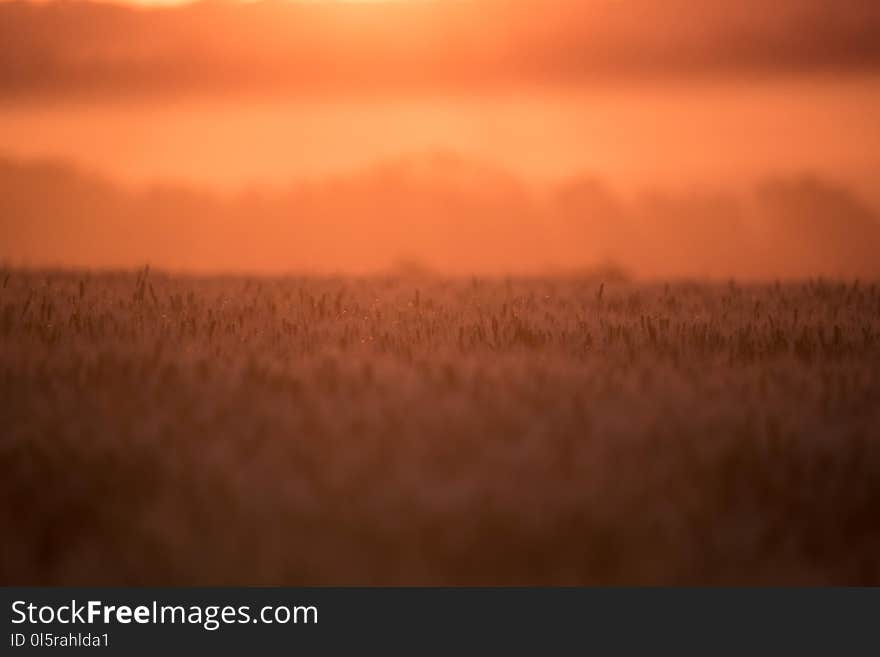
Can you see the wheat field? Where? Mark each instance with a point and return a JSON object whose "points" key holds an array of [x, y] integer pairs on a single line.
{"points": [[415, 429]]}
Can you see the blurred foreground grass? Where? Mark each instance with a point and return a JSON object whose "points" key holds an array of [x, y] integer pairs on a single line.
{"points": [[414, 430]]}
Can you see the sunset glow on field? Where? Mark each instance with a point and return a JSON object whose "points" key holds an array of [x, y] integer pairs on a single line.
{"points": [[440, 292]]}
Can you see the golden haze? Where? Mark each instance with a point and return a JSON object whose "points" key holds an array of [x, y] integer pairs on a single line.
{"points": [[491, 136]]}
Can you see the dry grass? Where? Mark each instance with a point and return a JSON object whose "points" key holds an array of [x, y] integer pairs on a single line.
{"points": [[175, 430]]}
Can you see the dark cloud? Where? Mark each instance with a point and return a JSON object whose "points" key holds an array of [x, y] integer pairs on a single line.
{"points": [[79, 48]]}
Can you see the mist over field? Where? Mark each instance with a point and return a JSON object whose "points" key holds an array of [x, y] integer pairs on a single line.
{"points": [[443, 213]]}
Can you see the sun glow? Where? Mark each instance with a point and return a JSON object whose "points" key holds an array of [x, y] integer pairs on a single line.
{"points": [[526, 101]]}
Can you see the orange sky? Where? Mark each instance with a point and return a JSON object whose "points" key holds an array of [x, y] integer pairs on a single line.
{"points": [[646, 135], [638, 90], [321, 49], [677, 96]]}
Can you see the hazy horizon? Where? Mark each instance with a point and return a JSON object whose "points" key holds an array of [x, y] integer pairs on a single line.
{"points": [[441, 213]]}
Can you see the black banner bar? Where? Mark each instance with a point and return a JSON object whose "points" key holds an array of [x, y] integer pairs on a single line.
{"points": [[413, 620]]}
